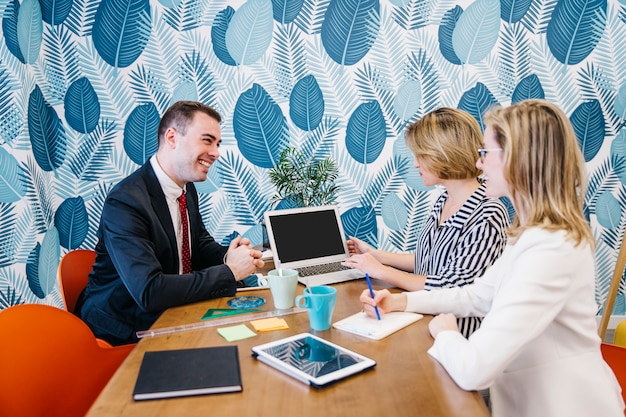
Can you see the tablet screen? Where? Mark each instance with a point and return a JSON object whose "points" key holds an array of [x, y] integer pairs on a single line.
{"points": [[314, 357]]}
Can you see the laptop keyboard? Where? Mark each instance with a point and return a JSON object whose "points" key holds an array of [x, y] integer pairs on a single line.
{"points": [[308, 271]]}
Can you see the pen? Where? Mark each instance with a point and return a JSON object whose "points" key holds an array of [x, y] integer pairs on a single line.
{"points": [[369, 285]]}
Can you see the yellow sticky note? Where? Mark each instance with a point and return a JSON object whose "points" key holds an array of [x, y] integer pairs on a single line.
{"points": [[266, 325], [235, 332]]}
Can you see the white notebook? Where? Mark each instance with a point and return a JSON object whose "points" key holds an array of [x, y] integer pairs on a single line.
{"points": [[389, 323]]}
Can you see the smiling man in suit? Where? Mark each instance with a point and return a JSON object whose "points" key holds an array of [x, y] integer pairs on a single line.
{"points": [[153, 251]]}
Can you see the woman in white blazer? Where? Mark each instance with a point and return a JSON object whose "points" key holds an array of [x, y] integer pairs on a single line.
{"points": [[537, 348]]}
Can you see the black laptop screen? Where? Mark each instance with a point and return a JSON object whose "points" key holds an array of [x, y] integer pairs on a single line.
{"points": [[308, 235]]}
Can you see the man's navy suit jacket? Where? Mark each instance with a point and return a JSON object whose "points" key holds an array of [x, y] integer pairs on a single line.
{"points": [[136, 273]]}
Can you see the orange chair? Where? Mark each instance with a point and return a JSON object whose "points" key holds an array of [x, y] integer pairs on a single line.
{"points": [[73, 273], [74, 270], [51, 364], [615, 356]]}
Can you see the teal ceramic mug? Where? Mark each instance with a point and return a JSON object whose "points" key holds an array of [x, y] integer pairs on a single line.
{"points": [[320, 303]]}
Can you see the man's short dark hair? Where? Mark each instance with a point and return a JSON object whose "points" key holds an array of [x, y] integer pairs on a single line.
{"points": [[181, 113]]}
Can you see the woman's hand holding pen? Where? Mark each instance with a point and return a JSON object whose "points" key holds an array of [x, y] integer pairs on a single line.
{"points": [[384, 300]]}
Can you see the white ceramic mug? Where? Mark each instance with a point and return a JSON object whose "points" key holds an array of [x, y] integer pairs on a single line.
{"points": [[283, 285]]}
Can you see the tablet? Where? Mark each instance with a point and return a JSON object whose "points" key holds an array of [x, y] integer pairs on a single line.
{"points": [[311, 359]]}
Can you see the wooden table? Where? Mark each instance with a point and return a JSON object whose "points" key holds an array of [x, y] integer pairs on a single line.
{"points": [[405, 382]]}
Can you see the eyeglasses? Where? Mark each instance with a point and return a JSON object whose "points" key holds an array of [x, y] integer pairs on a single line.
{"points": [[483, 152]]}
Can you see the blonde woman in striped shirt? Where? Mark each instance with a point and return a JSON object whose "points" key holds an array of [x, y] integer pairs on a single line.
{"points": [[465, 231]]}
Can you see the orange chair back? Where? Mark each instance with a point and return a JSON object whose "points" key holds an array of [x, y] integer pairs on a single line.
{"points": [[74, 270], [615, 356], [51, 364]]}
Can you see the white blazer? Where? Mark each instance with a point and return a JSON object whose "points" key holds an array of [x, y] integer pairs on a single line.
{"points": [[537, 348]]}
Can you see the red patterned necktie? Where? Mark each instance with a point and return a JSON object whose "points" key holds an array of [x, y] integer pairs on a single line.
{"points": [[182, 205]]}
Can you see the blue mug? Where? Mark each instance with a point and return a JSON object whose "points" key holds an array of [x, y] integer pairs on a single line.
{"points": [[320, 303]]}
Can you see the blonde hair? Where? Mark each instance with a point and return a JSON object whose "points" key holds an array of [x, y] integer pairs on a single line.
{"points": [[543, 166], [446, 141]]}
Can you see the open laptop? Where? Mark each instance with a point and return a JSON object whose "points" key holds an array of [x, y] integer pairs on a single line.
{"points": [[311, 240]]}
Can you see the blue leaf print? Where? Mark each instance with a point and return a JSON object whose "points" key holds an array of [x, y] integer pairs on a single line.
{"points": [[476, 101], [575, 29], [249, 33], [476, 31], [12, 188], [47, 134], [213, 180], [360, 222], [618, 146], [170, 4], [286, 203], [183, 16], [32, 271], [619, 308], [141, 133], [260, 127], [54, 12], [29, 30], [218, 35], [408, 99], [9, 29], [229, 238], [121, 30], [529, 87], [508, 205], [446, 30], [255, 234], [285, 11], [185, 90], [608, 210], [619, 166], [49, 257], [620, 102], [350, 29], [306, 104], [82, 107], [72, 222], [410, 175], [394, 212], [366, 132], [512, 11], [589, 125], [42, 265]]}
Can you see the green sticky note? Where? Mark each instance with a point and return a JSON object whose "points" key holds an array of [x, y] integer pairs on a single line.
{"points": [[214, 313], [233, 333]]}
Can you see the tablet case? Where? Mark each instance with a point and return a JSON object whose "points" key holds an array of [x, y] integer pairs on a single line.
{"points": [[363, 325], [185, 372]]}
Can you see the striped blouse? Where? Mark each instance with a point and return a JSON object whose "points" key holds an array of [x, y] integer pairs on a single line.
{"points": [[462, 247]]}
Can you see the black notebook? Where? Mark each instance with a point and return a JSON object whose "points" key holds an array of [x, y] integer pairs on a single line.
{"points": [[184, 372]]}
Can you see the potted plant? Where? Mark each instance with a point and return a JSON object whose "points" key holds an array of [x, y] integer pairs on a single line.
{"points": [[301, 181]]}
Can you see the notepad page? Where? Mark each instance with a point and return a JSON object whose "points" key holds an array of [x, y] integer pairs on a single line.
{"points": [[372, 328]]}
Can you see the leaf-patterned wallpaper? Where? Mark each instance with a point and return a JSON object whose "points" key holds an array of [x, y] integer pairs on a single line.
{"points": [[83, 84]]}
